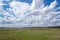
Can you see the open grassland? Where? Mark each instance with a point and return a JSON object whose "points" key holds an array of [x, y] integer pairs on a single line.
{"points": [[30, 34]]}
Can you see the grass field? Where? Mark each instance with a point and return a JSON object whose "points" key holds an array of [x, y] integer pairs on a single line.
{"points": [[30, 34]]}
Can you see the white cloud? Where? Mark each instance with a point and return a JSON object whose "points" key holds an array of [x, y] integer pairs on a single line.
{"points": [[19, 8], [50, 7], [36, 14], [37, 4]]}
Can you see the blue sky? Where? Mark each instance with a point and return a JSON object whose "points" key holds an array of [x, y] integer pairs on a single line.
{"points": [[24, 13]]}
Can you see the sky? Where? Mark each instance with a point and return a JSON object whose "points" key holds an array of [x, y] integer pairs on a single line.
{"points": [[29, 13]]}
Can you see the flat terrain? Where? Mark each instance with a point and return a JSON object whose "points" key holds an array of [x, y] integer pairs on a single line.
{"points": [[30, 34]]}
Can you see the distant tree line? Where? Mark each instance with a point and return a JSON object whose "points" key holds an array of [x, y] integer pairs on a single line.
{"points": [[54, 27]]}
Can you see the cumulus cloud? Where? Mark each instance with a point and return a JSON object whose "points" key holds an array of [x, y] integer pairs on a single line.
{"points": [[22, 14], [51, 6]]}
